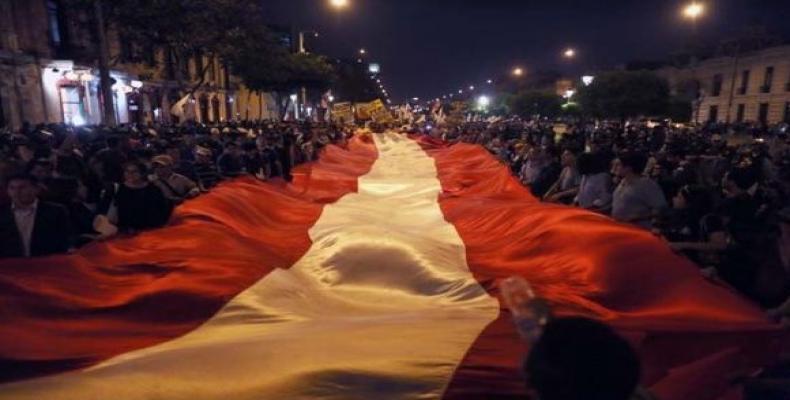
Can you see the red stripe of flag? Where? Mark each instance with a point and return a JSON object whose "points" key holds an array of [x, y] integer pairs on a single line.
{"points": [[68, 312], [584, 265]]}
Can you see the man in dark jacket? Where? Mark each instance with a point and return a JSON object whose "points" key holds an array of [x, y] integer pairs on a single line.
{"points": [[29, 227]]}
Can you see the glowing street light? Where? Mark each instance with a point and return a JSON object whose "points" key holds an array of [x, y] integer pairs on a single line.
{"points": [[363, 51], [339, 4], [693, 11], [471, 87], [569, 53], [490, 81], [518, 71], [460, 91], [483, 101]]}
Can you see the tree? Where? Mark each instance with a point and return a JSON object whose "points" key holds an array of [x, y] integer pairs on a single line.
{"points": [[354, 83], [265, 65], [186, 29], [527, 104], [624, 94]]}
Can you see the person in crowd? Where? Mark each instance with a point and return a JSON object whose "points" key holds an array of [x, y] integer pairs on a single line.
{"points": [[566, 187], [29, 227], [141, 205], [582, 359], [175, 187], [691, 226], [230, 163], [595, 187], [205, 169], [637, 199]]}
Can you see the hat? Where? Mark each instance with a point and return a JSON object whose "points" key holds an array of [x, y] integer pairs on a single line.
{"points": [[199, 150], [163, 160]]}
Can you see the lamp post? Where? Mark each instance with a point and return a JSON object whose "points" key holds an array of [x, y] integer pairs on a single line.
{"points": [[303, 50], [692, 12], [518, 71]]}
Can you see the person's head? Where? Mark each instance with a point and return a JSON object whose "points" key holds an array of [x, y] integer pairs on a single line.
{"points": [[134, 173], [692, 197], [738, 181], [630, 164], [41, 169], [568, 158], [22, 189], [202, 154], [581, 359], [162, 166]]}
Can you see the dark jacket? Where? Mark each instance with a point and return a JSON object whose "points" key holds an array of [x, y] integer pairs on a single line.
{"points": [[51, 232]]}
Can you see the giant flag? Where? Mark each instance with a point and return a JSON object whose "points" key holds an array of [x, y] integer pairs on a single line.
{"points": [[372, 276]]}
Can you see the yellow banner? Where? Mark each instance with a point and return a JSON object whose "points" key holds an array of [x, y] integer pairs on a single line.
{"points": [[342, 113]]}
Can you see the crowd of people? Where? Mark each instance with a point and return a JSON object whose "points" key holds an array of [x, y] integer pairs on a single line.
{"points": [[717, 194], [67, 186]]}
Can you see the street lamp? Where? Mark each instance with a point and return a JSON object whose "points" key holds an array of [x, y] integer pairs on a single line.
{"points": [[693, 10], [569, 53], [302, 49], [339, 4], [483, 102], [490, 81], [362, 52], [518, 71], [471, 87]]}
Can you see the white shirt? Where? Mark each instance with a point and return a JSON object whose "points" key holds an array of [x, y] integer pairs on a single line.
{"points": [[595, 191], [25, 219]]}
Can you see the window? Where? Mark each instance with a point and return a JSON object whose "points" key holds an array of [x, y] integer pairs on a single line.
{"points": [[786, 116], [212, 70], [713, 114], [170, 63], [184, 66], [769, 78], [226, 71], [740, 114], [744, 82], [717, 81], [199, 64], [53, 19], [763, 115]]}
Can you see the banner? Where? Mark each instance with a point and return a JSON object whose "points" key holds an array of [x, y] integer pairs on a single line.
{"points": [[374, 110], [342, 113]]}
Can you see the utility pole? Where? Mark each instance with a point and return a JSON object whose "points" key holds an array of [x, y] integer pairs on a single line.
{"points": [[108, 108]]}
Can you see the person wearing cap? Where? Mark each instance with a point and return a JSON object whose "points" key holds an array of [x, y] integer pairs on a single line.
{"points": [[205, 169], [175, 187]]}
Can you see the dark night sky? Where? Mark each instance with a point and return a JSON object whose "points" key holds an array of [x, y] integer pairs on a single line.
{"points": [[432, 47]]}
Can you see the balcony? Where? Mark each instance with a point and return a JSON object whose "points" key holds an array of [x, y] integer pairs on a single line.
{"points": [[765, 89]]}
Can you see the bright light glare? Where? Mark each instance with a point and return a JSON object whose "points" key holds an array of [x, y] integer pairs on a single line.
{"points": [[471, 88], [339, 3], [518, 71], [483, 101], [77, 120], [570, 53], [588, 80], [693, 10]]}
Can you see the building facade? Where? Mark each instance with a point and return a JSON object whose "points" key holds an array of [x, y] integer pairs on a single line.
{"points": [[750, 87], [48, 73]]}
